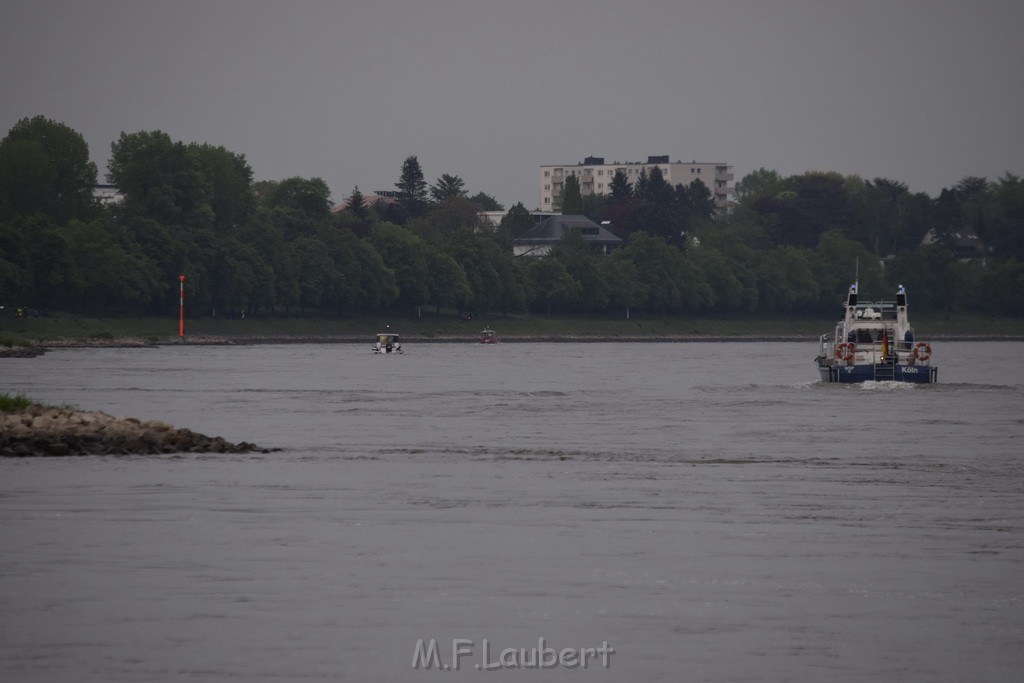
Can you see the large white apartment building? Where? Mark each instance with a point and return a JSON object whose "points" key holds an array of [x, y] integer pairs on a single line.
{"points": [[595, 176]]}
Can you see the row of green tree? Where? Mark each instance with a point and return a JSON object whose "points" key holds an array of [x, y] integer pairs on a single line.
{"points": [[789, 245]]}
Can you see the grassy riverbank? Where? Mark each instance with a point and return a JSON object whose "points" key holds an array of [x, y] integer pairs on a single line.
{"points": [[63, 326]]}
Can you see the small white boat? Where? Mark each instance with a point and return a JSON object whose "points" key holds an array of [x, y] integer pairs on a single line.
{"points": [[875, 342], [387, 342], [488, 336]]}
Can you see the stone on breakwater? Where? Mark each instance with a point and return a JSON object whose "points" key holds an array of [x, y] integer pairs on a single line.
{"points": [[41, 431]]}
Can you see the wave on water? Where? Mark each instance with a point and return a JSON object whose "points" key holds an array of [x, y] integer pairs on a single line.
{"points": [[886, 386], [746, 388], [671, 457], [965, 386]]}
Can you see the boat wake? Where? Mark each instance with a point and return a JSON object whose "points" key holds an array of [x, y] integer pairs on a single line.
{"points": [[871, 385]]}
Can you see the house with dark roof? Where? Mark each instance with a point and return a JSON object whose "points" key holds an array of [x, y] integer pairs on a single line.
{"points": [[966, 245], [541, 238]]}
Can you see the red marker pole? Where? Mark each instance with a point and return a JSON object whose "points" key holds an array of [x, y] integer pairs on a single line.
{"points": [[181, 305]]}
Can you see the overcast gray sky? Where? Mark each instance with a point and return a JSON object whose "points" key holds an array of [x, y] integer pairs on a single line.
{"points": [[920, 91]]}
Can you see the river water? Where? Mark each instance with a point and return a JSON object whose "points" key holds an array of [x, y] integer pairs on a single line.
{"points": [[659, 512]]}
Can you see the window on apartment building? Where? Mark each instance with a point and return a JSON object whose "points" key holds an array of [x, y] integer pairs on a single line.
{"points": [[547, 174], [547, 187], [547, 200], [600, 186], [693, 170], [600, 172], [698, 170]]}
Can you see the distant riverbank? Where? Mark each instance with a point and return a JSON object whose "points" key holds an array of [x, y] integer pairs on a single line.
{"points": [[29, 336], [411, 340]]}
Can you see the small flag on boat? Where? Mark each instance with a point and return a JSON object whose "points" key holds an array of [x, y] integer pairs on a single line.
{"points": [[885, 344]]}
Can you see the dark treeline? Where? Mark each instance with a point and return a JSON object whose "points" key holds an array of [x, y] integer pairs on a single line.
{"points": [[789, 245]]}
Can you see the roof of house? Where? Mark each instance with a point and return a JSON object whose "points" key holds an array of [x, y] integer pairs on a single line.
{"points": [[960, 240], [552, 229]]}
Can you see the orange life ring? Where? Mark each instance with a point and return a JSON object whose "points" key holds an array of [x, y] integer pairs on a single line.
{"points": [[844, 351], [922, 351]]}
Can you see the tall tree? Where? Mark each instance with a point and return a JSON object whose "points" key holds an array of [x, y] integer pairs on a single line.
{"points": [[412, 188], [300, 207], [356, 215], [619, 187], [572, 199], [820, 203], [518, 220], [448, 283], [447, 187], [45, 252], [157, 176], [581, 263], [929, 273], [446, 219], [879, 210], [702, 204], [357, 204], [595, 207], [640, 186], [14, 276], [229, 179], [45, 168], [482, 261], [973, 193], [655, 213], [785, 282], [406, 255], [621, 204], [725, 278], [1006, 230], [624, 286], [111, 274], [657, 190], [760, 183], [838, 262], [486, 202], [673, 284], [550, 285]]}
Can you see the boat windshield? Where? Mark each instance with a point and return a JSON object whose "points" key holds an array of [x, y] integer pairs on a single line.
{"points": [[875, 311]]}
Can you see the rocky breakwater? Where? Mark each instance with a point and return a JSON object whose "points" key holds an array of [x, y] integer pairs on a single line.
{"points": [[46, 431]]}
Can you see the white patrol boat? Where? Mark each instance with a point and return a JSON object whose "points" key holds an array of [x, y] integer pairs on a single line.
{"points": [[875, 342]]}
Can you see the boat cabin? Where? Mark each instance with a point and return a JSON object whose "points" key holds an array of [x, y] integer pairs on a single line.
{"points": [[868, 322], [387, 342]]}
